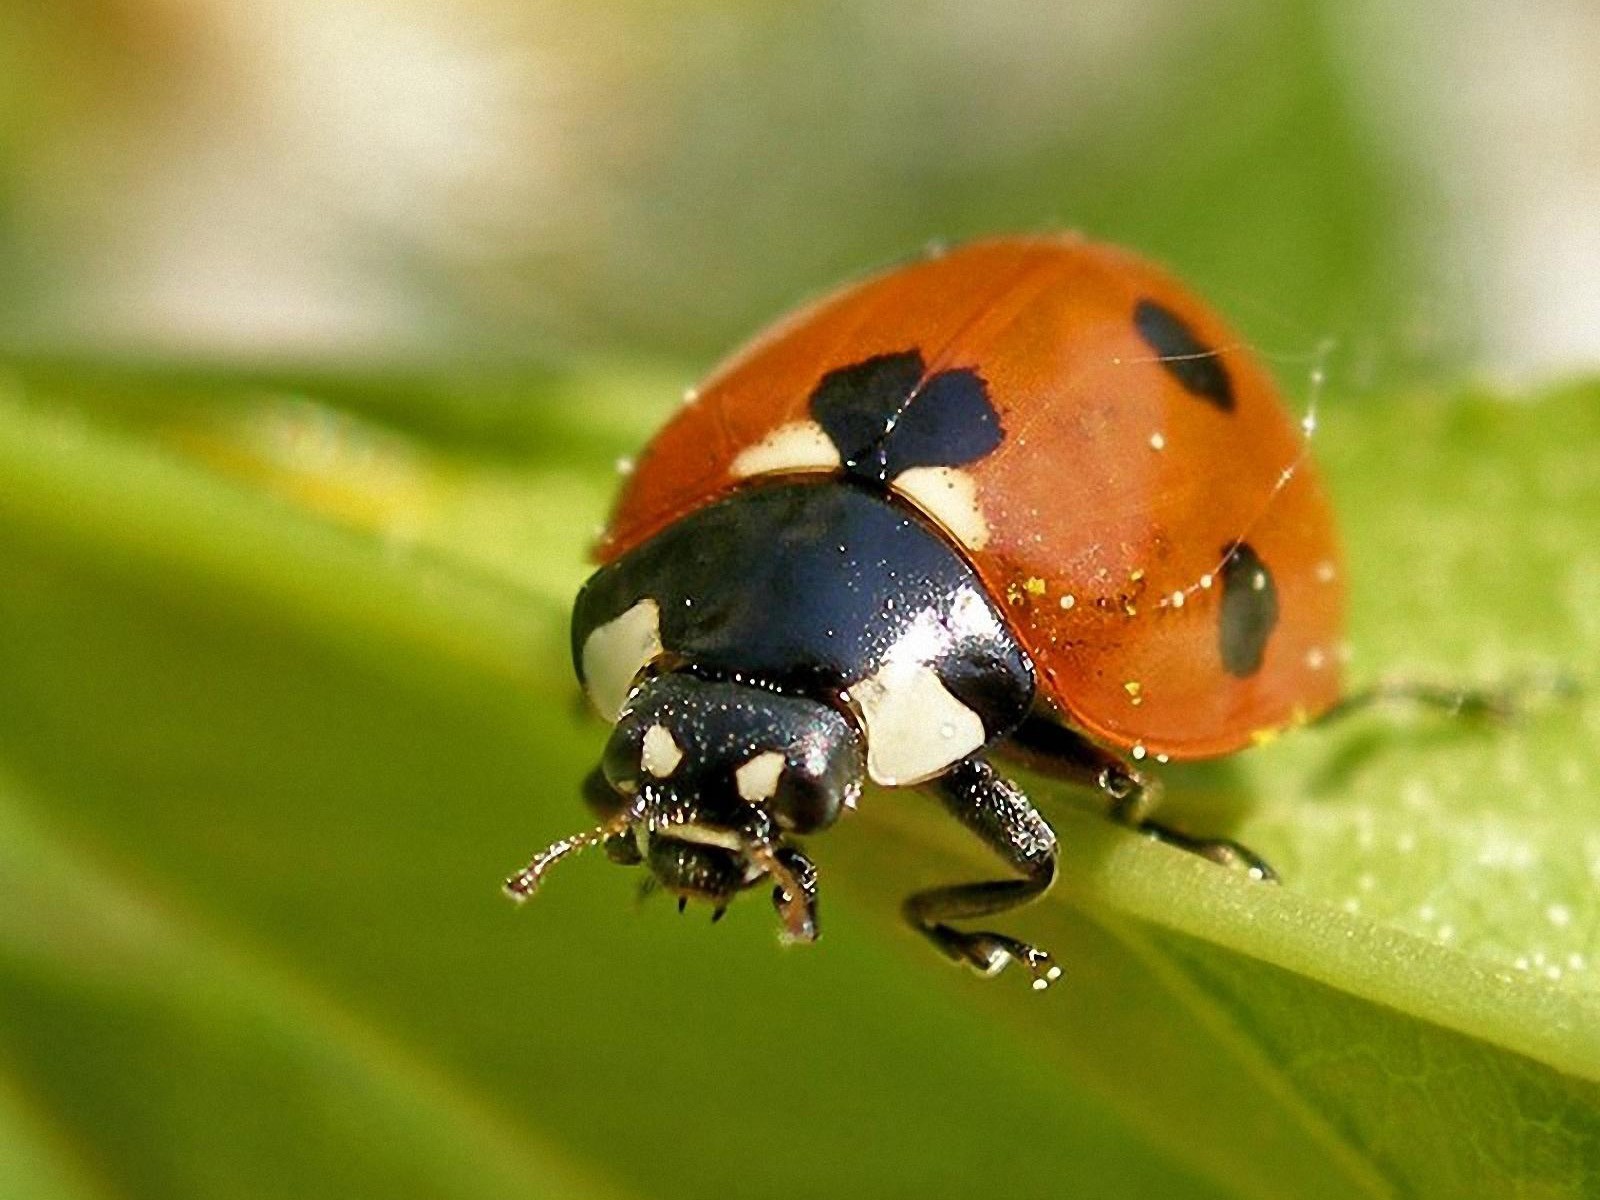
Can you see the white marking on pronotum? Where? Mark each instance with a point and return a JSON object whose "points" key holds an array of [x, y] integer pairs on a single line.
{"points": [[906, 710], [662, 754], [757, 779], [971, 619], [797, 446], [615, 653], [950, 496], [915, 727]]}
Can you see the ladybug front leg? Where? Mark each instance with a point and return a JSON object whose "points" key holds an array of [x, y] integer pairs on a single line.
{"points": [[998, 812]]}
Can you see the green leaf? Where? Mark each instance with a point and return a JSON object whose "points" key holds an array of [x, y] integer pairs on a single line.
{"points": [[285, 694]]}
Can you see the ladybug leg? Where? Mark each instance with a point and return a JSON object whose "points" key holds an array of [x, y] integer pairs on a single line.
{"points": [[1043, 745], [1503, 703], [998, 812], [1133, 796], [1052, 749], [798, 909], [1223, 851]]}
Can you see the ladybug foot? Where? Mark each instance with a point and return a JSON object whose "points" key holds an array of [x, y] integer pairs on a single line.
{"points": [[991, 953], [1222, 851]]}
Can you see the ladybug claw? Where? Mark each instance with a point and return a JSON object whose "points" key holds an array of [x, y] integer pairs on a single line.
{"points": [[990, 953], [1237, 858]]}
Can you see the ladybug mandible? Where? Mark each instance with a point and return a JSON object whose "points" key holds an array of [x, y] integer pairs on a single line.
{"points": [[1029, 496]]}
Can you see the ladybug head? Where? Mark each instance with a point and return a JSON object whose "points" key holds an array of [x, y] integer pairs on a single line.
{"points": [[711, 777]]}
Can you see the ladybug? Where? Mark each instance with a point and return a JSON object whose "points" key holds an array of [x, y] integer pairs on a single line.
{"points": [[1026, 497]]}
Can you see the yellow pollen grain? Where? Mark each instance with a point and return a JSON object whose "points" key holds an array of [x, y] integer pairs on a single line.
{"points": [[1134, 689], [1034, 586]]}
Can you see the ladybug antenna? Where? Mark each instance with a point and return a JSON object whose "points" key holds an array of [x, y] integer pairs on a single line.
{"points": [[526, 881]]}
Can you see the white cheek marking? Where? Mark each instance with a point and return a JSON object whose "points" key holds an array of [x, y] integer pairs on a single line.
{"points": [[616, 652], [662, 754], [704, 835], [797, 446], [950, 496], [915, 727], [757, 779]]}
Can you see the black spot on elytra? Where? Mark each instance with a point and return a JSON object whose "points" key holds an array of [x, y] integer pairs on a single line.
{"points": [[1249, 610], [1195, 365], [859, 405], [886, 415]]}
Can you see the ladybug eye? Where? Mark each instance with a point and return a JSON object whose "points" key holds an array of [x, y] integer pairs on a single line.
{"points": [[807, 789], [622, 762], [805, 803], [818, 776]]}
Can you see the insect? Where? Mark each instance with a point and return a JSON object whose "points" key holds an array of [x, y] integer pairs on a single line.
{"points": [[1027, 497]]}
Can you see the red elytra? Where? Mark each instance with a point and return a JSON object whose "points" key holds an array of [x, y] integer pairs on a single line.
{"points": [[1109, 507]]}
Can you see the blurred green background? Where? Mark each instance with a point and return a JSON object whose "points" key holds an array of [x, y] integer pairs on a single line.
{"points": [[321, 328]]}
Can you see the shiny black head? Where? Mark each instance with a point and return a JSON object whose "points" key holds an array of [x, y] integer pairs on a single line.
{"points": [[708, 778]]}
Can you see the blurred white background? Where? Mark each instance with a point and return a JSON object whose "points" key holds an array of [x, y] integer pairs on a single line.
{"points": [[396, 181]]}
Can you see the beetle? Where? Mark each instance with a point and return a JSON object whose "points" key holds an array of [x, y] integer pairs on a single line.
{"points": [[1029, 496]]}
